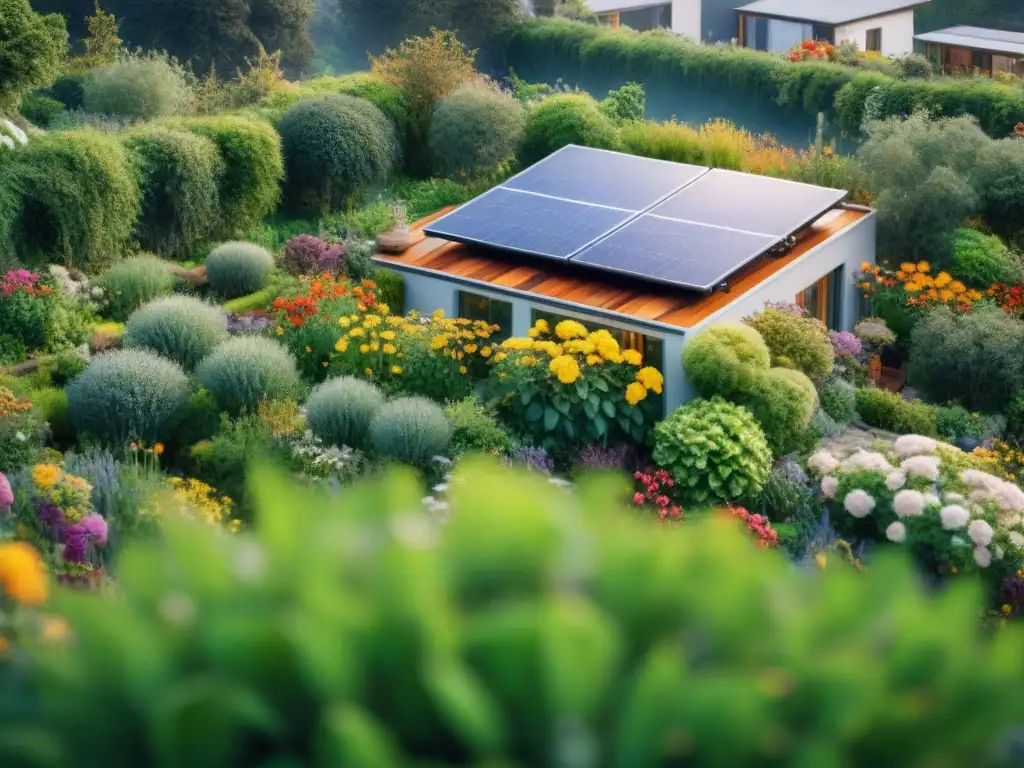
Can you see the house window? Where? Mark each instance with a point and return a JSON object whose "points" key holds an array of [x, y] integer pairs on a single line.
{"points": [[646, 19], [652, 348], [874, 41], [822, 32], [823, 299], [476, 307]]}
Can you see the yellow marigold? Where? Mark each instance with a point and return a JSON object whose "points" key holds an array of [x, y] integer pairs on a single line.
{"points": [[570, 329], [908, 267], [632, 356], [463, 321], [594, 360], [974, 295], [579, 346], [356, 333], [396, 320], [463, 369], [865, 266], [364, 348], [485, 351], [344, 322], [901, 275], [517, 342], [375, 346], [469, 349], [22, 573], [923, 266], [946, 295], [45, 475], [384, 309], [484, 333], [565, 368], [551, 348], [526, 360], [439, 342], [279, 331], [368, 371], [651, 378], [371, 321], [341, 345], [499, 356], [396, 370], [635, 392], [438, 314], [389, 349], [957, 287], [542, 326], [387, 335], [158, 449], [943, 279], [605, 344], [533, 333]]}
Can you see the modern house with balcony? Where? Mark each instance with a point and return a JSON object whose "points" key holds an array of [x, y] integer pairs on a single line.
{"points": [[960, 50], [883, 26]]}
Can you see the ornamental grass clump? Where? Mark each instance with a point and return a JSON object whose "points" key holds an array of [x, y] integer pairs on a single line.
{"points": [[126, 395], [932, 499], [564, 388], [245, 371], [238, 269], [714, 450], [131, 283], [181, 328], [340, 411], [411, 430]]}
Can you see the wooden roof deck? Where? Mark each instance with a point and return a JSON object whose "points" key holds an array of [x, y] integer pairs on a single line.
{"points": [[630, 299]]}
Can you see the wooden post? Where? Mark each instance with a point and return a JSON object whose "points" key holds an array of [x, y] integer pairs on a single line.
{"points": [[739, 37], [875, 370], [613, 20]]}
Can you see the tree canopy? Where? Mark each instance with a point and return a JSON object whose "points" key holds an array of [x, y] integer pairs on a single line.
{"points": [[31, 49]]}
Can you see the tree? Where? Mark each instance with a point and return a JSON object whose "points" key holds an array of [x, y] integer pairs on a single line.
{"points": [[103, 41], [31, 49]]}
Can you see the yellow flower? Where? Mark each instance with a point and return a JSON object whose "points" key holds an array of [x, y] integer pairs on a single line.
{"points": [[439, 341], [565, 368], [341, 345], [45, 475], [364, 348], [517, 342], [396, 321], [438, 314], [908, 267], [387, 335], [369, 371], [533, 333], [651, 378], [1007, 609], [946, 295], [957, 287], [485, 352], [371, 321], [384, 309], [865, 266], [500, 356], [635, 392], [526, 360], [356, 333], [309, 348], [606, 345], [943, 279], [323, 364], [901, 275], [375, 346], [279, 331], [570, 329], [389, 349], [542, 326], [594, 360], [470, 348], [22, 573], [551, 348], [923, 266], [54, 629], [632, 356], [396, 370], [462, 369], [579, 346]]}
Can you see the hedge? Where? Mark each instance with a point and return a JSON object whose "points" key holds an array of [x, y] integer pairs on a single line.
{"points": [[572, 49]]}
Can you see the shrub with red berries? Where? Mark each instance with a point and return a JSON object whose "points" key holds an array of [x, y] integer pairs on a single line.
{"points": [[655, 489]]}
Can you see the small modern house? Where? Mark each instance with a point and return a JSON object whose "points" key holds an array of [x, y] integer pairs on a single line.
{"points": [[884, 26], [709, 21], [968, 49], [651, 250]]}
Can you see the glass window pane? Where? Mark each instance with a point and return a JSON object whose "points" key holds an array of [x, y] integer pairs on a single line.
{"points": [[476, 307]]}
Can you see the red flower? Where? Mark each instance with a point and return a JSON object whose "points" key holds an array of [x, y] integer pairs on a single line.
{"points": [[638, 498]]}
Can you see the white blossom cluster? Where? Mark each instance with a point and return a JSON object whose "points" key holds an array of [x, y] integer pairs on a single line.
{"points": [[11, 136]]}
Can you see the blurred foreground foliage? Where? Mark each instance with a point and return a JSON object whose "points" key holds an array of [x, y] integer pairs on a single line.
{"points": [[537, 627]]}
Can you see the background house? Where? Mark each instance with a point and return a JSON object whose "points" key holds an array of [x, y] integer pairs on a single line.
{"points": [[885, 26], [711, 246], [969, 49], [709, 21]]}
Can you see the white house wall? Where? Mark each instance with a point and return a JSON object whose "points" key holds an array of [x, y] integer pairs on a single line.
{"points": [[686, 18], [897, 32]]}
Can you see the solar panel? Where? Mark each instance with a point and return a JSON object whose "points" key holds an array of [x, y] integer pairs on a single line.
{"points": [[607, 178], [749, 203], [680, 253], [517, 221]]}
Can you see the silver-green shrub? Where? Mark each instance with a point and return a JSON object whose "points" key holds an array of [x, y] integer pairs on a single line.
{"points": [[243, 372], [181, 328], [474, 130], [130, 394], [141, 88], [131, 283], [340, 411], [411, 430], [238, 269], [839, 400]]}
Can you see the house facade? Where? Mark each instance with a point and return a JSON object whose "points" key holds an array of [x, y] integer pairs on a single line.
{"points": [[963, 50], [882, 26], [708, 21]]}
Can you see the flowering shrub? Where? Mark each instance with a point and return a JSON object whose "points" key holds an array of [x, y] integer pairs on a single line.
{"points": [[1010, 298], [874, 335], [655, 489], [932, 499], [23, 310], [812, 50], [195, 500], [306, 255], [759, 525], [846, 344], [567, 387], [795, 339], [308, 456], [914, 287]]}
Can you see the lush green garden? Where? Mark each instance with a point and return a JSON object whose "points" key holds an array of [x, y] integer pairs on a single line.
{"points": [[255, 512]]}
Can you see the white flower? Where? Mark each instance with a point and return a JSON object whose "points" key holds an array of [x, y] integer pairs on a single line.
{"points": [[20, 436], [980, 532], [895, 480], [865, 460], [1017, 539], [954, 517], [954, 497], [922, 466], [19, 135], [998, 552], [979, 480], [931, 499], [7, 141], [896, 532], [859, 503], [1009, 496], [913, 445], [829, 485], [908, 503], [823, 463], [982, 557]]}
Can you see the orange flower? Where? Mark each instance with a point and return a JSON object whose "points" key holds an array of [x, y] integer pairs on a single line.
{"points": [[22, 573], [158, 449]]}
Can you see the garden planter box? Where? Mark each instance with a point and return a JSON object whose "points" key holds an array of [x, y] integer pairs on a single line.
{"points": [[893, 379]]}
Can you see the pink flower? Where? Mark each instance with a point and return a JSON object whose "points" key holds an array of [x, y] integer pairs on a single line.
{"points": [[96, 529], [6, 494], [638, 498]]}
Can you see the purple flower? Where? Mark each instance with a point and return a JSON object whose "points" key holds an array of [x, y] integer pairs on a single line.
{"points": [[76, 543], [6, 494], [596, 457], [333, 260], [96, 529], [303, 253], [846, 343], [533, 458], [789, 307], [49, 514]]}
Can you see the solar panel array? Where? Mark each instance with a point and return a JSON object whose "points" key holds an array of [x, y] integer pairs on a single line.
{"points": [[672, 223]]}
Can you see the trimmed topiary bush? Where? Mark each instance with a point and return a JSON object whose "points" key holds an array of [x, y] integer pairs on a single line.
{"points": [[411, 430], [980, 260], [839, 400], [714, 450], [180, 173], [243, 372], [238, 269], [127, 395], [131, 283], [136, 88], [795, 339], [77, 200], [571, 118], [181, 328], [887, 410], [474, 130], [335, 145], [250, 186], [340, 411]]}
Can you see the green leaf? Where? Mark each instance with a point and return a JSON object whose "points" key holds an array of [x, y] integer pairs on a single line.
{"points": [[535, 411], [467, 707], [526, 396], [562, 405], [589, 409], [349, 736], [609, 408], [550, 419], [600, 425], [582, 388]]}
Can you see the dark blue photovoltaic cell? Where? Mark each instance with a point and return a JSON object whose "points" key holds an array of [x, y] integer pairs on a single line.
{"points": [[676, 252], [750, 203], [517, 221], [604, 178]]}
